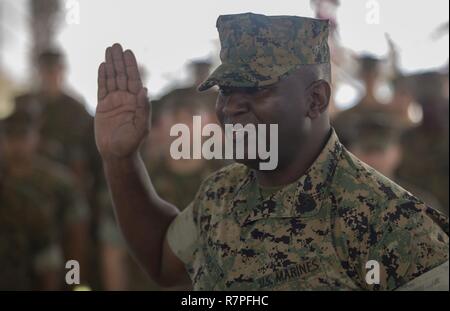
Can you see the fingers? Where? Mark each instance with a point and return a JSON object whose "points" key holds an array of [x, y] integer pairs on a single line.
{"points": [[134, 78], [119, 67], [120, 71], [110, 73], [142, 116], [102, 90]]}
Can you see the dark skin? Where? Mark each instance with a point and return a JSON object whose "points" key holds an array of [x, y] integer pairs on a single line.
{"points": [[298, 104]]}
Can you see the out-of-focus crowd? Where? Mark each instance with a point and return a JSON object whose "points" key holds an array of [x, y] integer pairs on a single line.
{"points": [[54, 201], [55, 205]]}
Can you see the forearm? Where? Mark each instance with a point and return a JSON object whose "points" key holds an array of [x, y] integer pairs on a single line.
{"points": [[142, 216]]}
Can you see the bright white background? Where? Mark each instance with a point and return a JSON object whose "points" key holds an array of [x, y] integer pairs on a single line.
{"points": [[166, 34]]}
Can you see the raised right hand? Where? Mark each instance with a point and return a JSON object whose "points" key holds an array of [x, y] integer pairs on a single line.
{"points": [[123, 111]]}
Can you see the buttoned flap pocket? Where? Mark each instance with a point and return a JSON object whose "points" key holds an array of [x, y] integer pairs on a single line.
{"points": [[282, 245], [301, 206]]}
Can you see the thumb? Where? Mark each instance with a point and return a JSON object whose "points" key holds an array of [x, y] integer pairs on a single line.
{"points": [[143, 111]]}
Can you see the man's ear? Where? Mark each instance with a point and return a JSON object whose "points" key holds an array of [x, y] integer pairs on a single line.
{"points": [[319, 93]]}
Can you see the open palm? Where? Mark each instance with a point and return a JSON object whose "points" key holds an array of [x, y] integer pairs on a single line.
{"points": [[123, 111]]}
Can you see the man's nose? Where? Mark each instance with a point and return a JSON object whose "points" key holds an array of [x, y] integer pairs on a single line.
{"points": [[235, 104]]}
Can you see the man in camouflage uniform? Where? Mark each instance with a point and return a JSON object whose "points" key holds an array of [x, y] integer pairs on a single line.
{"points": [[66, 129], [425, 161], [189, 97], [178, 107], [313, 223], [369, 74], [67, 138], [40, 208]]}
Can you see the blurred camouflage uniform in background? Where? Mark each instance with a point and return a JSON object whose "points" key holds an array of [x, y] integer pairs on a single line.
{"points": [[39, 204], [375, 140], [425, 161], [28, 244], [344, 122], [67, 137], [177, 181]]}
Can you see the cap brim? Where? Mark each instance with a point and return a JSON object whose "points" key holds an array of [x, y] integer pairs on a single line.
{"points": [[241, 75]]}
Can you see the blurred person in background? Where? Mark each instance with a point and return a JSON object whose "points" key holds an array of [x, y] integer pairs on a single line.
{"points": [[178, 107], [67, 138], [369, 74], [40, 209], [425, 160], [402, 101], [189, 96], [376, 141], [178, 180], [342, 59]]}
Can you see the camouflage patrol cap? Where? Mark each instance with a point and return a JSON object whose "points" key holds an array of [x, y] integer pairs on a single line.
{"points": [[259, 50]]}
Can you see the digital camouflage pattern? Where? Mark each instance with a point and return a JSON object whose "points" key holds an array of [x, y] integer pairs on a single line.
{"points": [[373, 133], [179, 188], [66, 127], [28, 244], [317, 233], [67, 137], [27, 240], [259, 50], [52, 188], [35, 211]]}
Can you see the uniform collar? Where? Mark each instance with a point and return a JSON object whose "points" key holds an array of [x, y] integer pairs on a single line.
{"points": [[317, 179], [302, 198]]}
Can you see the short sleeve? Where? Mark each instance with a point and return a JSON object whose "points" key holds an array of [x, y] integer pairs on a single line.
{"points": [[435, 280], [182, 235], [429, 246]]}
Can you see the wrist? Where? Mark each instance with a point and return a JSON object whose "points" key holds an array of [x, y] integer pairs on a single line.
{"points": [[122, 161]]}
